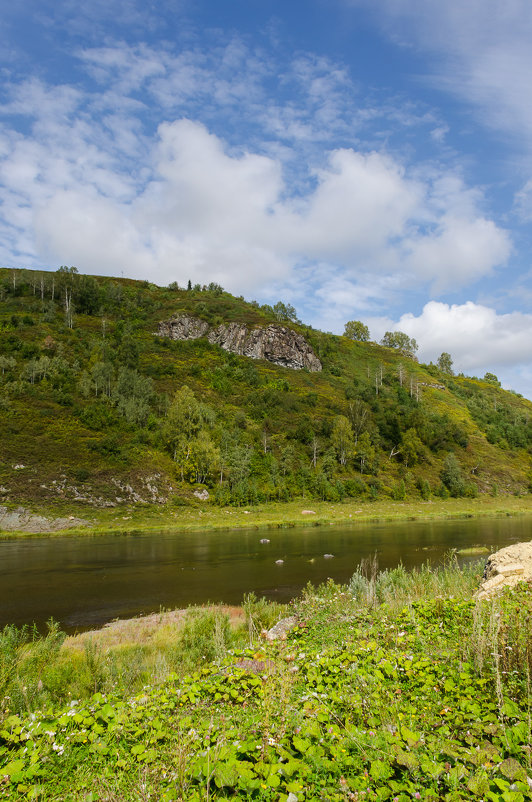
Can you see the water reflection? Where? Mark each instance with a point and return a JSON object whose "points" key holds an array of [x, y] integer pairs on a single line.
{"points": [[83, 582]]}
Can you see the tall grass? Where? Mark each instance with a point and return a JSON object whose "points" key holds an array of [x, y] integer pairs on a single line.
{"points": [[38, 670], [398, 587]]}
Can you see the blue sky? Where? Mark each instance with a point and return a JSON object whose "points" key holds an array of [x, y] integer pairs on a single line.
{"points": [[360, 159]]}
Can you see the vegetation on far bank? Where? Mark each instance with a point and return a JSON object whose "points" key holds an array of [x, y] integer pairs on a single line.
{"points": [[98, 410], [398, 686], [276, 515]]}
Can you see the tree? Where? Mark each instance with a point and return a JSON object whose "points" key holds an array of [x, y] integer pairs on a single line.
{"points": [[445, 363], [365, 453], [359, 416], [401, 342], [342, 439], [356, 330], [412, 449], [204, 456], [451, 475], [285, 312], [492, 379]]}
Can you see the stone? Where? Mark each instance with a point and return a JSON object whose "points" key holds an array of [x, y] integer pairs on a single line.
{"points": [[203, 495], [328, 556], [279, 562], [281, 629], [184, 327], [308, 512], [278, 344], [506, 568], [264, 540]]}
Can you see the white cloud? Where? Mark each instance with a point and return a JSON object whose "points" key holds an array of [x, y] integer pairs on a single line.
{"points": [[191, 207], [476, 336], [483, 52]]}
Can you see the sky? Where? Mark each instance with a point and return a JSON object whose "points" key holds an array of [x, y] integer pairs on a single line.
{"points": [[359, 159]]}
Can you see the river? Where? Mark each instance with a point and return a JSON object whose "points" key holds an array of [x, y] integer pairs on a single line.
{"points": [[83, 582]]}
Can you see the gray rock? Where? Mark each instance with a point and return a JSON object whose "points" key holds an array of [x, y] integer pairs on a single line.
{"points": [[23, 520], [264, 540], [506, 568], [281, 628], [184, 327], [277, 344], [279, 562], [203, 495]]}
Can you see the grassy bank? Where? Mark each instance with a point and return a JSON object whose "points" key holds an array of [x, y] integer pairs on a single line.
{"points": [[155, 518], [396, 687]]}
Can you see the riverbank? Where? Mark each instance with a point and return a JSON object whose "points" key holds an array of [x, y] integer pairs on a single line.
{"points": [[394, 687], [203, 516]]}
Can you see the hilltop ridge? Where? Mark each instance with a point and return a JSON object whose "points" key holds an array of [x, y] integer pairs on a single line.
{"points": [[99, 409]]}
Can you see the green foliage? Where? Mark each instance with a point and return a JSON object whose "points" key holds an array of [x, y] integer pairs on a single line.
{"points": [[445, 363], [265, 432], [356, 330], [451, 476], [400, 341], [398, 687]]}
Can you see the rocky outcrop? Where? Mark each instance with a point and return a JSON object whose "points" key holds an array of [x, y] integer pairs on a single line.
{"points": [[506, 568], [183, 328], [21, 520], [277, 344]]}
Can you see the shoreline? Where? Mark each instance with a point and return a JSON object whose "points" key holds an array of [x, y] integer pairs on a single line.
{"points": [[287, 515]]}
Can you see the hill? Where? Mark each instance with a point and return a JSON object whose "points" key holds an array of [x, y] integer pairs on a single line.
{"points": [[101, 407]]}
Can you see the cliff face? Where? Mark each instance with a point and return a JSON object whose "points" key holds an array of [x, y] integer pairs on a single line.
{"points": [[277, 344]]}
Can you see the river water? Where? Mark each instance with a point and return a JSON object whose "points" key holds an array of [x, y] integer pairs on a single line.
{"points": [[83, 582]]}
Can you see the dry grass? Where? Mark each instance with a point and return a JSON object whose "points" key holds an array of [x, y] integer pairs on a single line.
{"points": [[153, 630]]}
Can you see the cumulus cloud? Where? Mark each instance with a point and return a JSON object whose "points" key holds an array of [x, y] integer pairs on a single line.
{"points": [[477, 337], [202, 211]]}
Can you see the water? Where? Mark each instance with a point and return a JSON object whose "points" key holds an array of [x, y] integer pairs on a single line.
{"points": [[83, 582]]}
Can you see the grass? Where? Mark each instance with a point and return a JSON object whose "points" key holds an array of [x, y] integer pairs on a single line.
{"points": [[157, 518], [396, 687]]}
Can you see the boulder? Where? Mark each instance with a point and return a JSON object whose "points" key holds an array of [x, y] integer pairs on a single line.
{"points": [[281, 629], [506, 568]]}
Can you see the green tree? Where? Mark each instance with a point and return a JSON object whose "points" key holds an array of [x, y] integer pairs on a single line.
{"points": [[185, 420], [445, 363], [412, 449], [451, 475], [285, 312], [492, 379], [365, 454], [401, 342], [132, 394], [342, 439], [356, 330], [204, 456]]}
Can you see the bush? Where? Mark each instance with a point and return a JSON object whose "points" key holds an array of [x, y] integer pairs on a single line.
{"points": [[399, 491]]}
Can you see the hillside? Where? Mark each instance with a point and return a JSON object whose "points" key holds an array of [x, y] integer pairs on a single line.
{"points": [[99, 409]]}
